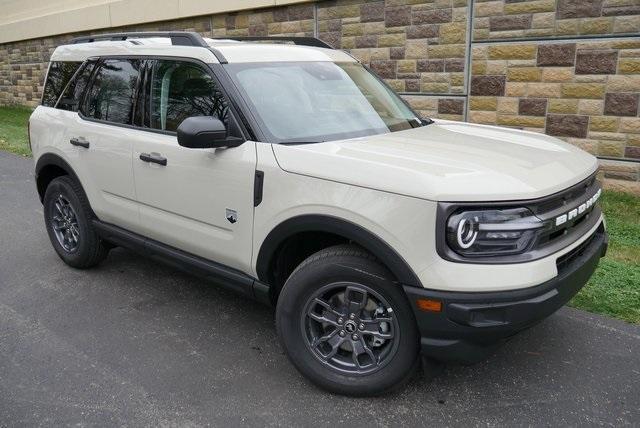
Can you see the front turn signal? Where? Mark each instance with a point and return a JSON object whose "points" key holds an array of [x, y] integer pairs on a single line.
{"points": [[429, 305]]}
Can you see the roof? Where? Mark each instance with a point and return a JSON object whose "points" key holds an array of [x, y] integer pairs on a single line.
{"points": [[232, 51]]}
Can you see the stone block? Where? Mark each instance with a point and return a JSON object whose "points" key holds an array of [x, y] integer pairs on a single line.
{"points": [[432, 16], [521, 121], [416, 49], [535, 6], [544, 90], [582, 90], [596, 26], [524, 74], [567, 125], [483, 103], [372, 12], [561, 54], [397, 16], [488, 85], [532, 106], [563, 106], [603, 123], [505, 23], [425, 31], [387, 40], [453, 33], [623, 83], [591, 107], [596, 62], [515, 51], [629, 66], [578, 8], [507, 105], [557, 74], [488, 117], [621, 104], [630, 125], [451, 106]]}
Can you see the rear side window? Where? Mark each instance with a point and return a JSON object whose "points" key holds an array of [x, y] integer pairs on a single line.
{"points": [[72, 96], [59, 75], [181, 89], [112, 92]]}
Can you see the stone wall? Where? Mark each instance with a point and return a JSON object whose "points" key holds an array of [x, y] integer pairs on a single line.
{"points": [[570, 68]]}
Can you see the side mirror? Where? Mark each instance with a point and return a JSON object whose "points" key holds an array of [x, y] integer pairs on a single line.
{"points": [[204, 132]]}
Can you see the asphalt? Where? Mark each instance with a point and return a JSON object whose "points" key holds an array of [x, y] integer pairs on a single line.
{"points": [[133, 342]]}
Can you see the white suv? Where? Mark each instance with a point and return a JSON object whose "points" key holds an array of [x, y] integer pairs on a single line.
{"points": [[293, 175]]}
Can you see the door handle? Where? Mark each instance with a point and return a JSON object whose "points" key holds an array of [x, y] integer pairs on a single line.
{"points": [[153, 158], [80, 142]]}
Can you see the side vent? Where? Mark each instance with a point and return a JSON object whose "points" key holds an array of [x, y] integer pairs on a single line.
{"points": [[258, 182]]}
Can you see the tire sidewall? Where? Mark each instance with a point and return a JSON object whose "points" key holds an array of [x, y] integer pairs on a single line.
{"points": [[293, 300]]}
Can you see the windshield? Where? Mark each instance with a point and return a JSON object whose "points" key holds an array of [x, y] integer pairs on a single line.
{"points": [[299, 102]]}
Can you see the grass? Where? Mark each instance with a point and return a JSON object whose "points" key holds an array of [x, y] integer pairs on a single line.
{"points": [[613, 290], [13, 130]]}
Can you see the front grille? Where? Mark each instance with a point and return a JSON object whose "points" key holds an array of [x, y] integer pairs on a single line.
{"points": [[550, 208], [564, 261]]}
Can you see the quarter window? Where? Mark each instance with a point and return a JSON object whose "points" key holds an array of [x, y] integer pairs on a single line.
{"points": [[180, 90], [59, 75], [112, 93], [71, 98]]}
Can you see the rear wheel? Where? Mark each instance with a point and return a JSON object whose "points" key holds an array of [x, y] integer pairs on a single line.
{"points": [[67, 216], [345, 325]]}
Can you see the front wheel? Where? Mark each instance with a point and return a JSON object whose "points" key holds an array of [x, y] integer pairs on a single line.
{"points": [[345, 325]]}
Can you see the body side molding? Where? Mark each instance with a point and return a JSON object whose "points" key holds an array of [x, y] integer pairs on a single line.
{"points": [[337, 226]]}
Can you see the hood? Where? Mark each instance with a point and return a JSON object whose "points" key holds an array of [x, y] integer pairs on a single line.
{"points": [[446, 161]]}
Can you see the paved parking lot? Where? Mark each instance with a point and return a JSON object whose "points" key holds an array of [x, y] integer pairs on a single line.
{"points": [[137, 343]]}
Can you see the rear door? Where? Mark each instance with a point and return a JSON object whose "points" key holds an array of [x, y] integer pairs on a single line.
{"points": [[102, 140], [197, 200]]}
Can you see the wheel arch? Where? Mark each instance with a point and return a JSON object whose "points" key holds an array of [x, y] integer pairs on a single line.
{"points": [[50, 166], [337, 227]]}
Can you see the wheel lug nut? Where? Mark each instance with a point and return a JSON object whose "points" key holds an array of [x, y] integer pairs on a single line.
{"points": [[352, 316], [361, 326], [354, 337], [342, 333], [340, 320]]}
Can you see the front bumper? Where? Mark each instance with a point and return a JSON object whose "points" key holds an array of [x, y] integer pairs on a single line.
{"points": [[471, 325]]}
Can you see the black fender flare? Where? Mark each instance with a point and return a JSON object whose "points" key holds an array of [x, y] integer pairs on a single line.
{"points": [[53, 159], [337, 226]]}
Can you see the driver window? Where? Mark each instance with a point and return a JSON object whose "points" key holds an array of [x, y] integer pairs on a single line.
{"points": [[180, 90]]}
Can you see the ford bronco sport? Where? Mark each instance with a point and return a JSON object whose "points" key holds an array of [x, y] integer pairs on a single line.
{"points": [[290, 173]]}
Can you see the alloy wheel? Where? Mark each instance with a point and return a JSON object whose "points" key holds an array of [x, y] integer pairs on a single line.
{"points": [[350, 328]]}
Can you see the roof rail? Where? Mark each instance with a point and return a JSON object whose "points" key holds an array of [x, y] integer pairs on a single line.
{"points": [[304, 41], [178, 38]]}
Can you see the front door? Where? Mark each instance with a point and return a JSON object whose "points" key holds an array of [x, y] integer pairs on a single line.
{"points": [[196, 200]]}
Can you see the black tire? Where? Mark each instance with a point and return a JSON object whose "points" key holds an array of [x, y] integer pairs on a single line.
{"points": [[327, 270], [89, 249]]}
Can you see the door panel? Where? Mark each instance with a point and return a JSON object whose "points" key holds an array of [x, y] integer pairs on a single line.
{"points": [[103, 145], [184, 204], [185, 195]]}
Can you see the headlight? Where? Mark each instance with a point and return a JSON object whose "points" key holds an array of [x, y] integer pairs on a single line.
{"points": [[492, 232]]}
